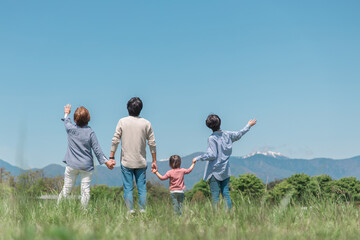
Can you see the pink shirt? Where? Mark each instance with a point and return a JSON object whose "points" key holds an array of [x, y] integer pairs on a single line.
{"points": [[176, 178]]}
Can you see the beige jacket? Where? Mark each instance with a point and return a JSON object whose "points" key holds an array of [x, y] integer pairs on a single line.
{"points": [[133, 132]]}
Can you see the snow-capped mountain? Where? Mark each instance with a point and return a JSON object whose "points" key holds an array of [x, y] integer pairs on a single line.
{"points": [[163, 160], [268, 153]]}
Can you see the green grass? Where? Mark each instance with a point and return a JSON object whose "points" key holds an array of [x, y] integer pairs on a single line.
{"points": [[23, 218]]}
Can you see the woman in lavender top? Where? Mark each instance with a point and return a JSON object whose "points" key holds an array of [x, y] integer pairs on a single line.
{"points": [[217, 169], [79, 160]]}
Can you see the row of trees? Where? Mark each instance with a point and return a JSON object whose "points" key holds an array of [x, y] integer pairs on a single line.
{"points": [[31, 183], [34, 184], [298, 187]]}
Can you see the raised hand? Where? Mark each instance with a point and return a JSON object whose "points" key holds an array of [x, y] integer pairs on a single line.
{"points": [[194, 160], [67, 109], [252, 122]]}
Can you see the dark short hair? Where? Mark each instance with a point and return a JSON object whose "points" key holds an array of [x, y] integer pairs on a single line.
{"points": [[213, 122], [134, 106], [81, 116], [175, 161]]}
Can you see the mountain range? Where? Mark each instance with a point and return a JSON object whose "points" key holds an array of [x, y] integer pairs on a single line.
{"points": [[268, 166]]}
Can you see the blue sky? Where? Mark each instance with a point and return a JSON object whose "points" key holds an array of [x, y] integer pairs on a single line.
{"points": [[294, 65]]}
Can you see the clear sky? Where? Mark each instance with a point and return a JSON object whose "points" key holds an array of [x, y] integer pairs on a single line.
{"points": [[294, 65]]}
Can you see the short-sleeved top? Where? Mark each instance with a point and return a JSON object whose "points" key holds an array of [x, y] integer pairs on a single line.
{"points": [[176, 177]]}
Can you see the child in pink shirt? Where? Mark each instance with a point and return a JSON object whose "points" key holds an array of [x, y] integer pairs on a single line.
{"points": [[176, 183]]}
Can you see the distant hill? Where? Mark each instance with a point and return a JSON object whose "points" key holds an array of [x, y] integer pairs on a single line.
{"points": [[10, 168], [269, 167], [266, 165]]}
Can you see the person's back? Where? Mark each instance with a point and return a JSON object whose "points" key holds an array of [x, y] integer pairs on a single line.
{"points": [[176, 181], [135, 131], [220, 166], [81, 141], [79, 154], [78, 158], [176, 176], [217, 168]]}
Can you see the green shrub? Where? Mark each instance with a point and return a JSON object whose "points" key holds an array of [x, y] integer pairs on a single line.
{"points": [[5, 191], [280, 191], [31, 183], [347, 189], [272, 184], [157, 192], [202, 186], [247, 185], [100, 192], [300, 183], [198, 197], [321, 186]]}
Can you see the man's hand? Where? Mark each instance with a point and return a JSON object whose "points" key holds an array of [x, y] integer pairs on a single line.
{"points": [[252, 122], [154, 166], [194, 160], [110, 164], [67, 109]]}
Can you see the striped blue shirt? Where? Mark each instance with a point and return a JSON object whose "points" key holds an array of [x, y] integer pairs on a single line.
{"points": [[81, 140], [218, 153]]}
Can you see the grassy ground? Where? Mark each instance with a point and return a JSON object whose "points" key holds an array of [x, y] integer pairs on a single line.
{"points": [[21, 218]]}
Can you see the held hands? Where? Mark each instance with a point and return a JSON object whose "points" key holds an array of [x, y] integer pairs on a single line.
{"points": [[252, 122], [110, 164], [67, 109], [194, 160], [154, 167], [154, 171]]}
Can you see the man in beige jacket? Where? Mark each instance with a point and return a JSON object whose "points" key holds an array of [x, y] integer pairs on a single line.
{"points": [[134, 131]]}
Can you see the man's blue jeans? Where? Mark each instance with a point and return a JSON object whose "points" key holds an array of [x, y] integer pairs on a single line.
{"points": [[217, 186], [128, 175]]}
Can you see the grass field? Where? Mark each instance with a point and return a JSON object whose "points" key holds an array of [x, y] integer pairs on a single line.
{"points": [[22, 218]]}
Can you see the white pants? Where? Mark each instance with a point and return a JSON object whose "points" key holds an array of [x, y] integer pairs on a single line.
{"points": [[69, 181]]}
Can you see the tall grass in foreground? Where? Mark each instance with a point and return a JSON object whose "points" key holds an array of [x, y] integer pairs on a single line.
{"points": [[24, 218]]}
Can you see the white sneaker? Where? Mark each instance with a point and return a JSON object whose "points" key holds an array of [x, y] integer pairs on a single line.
{"points": [[142, 211], [131, 213]]}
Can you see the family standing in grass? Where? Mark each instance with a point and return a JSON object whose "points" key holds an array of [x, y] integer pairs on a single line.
{"points": [[135, 132]]}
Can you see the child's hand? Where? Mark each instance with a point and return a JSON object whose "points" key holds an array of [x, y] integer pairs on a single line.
{"points": [[67, 109], [153, 170], [252, 122], [194, 160]]}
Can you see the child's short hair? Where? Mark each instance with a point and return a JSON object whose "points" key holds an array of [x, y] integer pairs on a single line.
{"points": [[213, 122], [81, 116], [175, 161], [134, 106]]}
